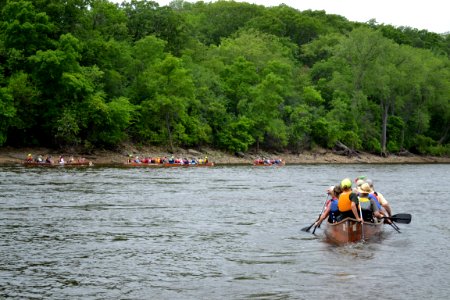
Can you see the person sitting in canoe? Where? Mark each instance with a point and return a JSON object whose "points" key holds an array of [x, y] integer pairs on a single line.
{"points": [[29, 158], [369, 208], [331, 210], [358, 183], [384, 203], [348, 201], [381, 202]]}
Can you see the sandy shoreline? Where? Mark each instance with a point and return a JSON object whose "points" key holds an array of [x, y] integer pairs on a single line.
{"points": [[9, 156]]}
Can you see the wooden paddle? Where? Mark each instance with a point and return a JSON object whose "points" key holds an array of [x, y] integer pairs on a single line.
{"points": [[362, 223], [400, 218], [306, 229], [315, 227]]}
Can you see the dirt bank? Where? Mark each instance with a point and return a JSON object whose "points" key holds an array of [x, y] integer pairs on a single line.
{"points": [[101, 157]]}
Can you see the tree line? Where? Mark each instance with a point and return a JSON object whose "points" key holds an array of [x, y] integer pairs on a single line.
{"points": [[228, 75]]}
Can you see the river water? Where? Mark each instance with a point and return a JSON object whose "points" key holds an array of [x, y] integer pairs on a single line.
{"points": [[215, 233]]}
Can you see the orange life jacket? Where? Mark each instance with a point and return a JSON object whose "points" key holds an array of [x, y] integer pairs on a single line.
{"points": [[344, 203]]}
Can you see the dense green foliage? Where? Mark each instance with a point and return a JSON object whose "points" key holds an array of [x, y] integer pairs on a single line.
{"points": [[233, 76]]}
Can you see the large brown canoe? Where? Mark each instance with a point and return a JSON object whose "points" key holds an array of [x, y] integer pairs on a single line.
{"points": [[349, 231]]}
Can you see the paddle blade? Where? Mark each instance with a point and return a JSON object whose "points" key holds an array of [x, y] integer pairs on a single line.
{"points": [[306, 229], [401, 218]]}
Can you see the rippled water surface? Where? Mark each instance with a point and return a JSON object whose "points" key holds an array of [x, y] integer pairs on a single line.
{"points": [[215, 233]]}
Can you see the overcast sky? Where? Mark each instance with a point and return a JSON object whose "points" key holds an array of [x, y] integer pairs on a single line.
{"points": [[432, 15]]}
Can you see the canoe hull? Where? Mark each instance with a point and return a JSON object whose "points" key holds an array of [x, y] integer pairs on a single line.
{"points": [[147, 165], [67, 164], [169, 165], [351, 231], [208, 164], [268, 165]]}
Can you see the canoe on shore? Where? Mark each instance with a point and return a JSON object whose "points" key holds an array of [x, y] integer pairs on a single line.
{"points": [[349, 231]]}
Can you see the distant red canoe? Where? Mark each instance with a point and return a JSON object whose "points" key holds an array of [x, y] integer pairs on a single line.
{"points": [[144, 165], [264, 164], [349, 231], [169, 165], [208, 164]]}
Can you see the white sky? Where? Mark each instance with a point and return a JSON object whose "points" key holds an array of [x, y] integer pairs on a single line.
{"points": [[432, 15]]}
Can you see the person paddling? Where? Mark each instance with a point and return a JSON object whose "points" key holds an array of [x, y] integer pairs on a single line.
{"points": [[348, 201], [331, 211]]}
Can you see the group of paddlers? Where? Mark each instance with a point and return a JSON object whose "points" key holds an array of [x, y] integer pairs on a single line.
{"points": [[166, 160], [49, 160], [267, 161], [362, 203]]}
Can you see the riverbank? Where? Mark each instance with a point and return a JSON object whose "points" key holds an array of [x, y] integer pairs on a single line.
{"points": [[10, 156]]}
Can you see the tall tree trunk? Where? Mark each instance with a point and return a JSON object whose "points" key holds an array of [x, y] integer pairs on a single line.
{"points": [[384, 121], [444, 136], [257, 145], [169, 132]]}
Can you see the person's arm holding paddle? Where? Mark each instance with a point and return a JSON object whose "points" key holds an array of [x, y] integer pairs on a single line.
{"points": [[306, 229], [323, 216], [354, 205], [326, 212]]}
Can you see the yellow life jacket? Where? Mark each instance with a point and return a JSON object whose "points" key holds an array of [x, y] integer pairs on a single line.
{"points": [[364, 202]]}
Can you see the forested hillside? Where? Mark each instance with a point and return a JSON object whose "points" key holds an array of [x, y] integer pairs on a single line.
{"points": [[231, 76]]}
